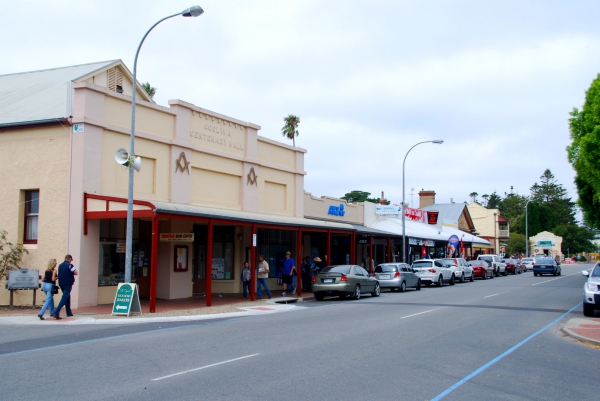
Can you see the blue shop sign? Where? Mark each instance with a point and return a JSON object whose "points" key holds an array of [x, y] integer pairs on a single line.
{"points": [[337, 210]]}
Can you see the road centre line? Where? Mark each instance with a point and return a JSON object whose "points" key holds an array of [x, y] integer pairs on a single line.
{"points": [[554, 279], [420, 313], [501, 356], [493, 295], [204, 367]]}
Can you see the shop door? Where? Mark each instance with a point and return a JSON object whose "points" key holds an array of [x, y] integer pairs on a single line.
{"points": [[199, 259]]}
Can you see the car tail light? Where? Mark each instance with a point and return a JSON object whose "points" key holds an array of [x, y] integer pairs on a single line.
{"points": [[431, 270], [314, 280], [456, 262], [344, 278], [397, 274]]}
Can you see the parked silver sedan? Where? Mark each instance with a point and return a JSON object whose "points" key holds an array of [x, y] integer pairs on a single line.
{"points": [[397, 276], [344, 280]]}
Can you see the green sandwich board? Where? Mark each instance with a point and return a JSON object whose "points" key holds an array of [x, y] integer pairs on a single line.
{"points": [[127, 300]]}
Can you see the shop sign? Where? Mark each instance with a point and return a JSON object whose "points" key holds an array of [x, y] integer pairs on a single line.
{"points": [[79, 128], [121, 246], [432, 217], [177, 237], [453, 244], [415, 214], [388, 209], [415, 241], [23, 279], [545, 242], [127, 300], [337, 210], [362, 240]]}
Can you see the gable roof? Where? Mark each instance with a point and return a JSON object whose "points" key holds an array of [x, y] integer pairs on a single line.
{"points": [[452, 211], [45, 95]]}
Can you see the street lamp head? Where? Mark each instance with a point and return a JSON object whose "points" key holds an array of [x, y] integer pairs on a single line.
{"points": [[438, 141], [193, 11]]}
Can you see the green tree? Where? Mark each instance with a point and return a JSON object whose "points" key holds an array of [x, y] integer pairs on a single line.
{"points": [[150, 90], [290, 128], [575, 238], [540, 218], [584, 153], [11, 255], [512, 208], [553, 195], [361, 196], [473, 196], [494, 201], [486, 198], [516, 244]]}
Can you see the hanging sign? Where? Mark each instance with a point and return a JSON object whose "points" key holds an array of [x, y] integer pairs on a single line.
{"points": [[432, 217], [176, 237], [127, 300], [415, 214]]}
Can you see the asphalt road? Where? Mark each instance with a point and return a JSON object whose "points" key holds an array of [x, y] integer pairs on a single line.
{"points": [[489, 340]]}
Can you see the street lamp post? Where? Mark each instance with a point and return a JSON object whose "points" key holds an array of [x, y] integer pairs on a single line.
{"points": [[193, 11], [526, 232], [436, 141]]}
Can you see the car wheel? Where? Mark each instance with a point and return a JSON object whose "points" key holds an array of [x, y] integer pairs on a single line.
{"points": [[377, 291], [588, 310], [402, 287], [534, 274], [440, 282], [418, 287], [357, 292], [492, 275], [505, 273], [559, 272], [472, 278], [496, 272], [462, 278], [452, 280], [319, 296], [554, 273]]}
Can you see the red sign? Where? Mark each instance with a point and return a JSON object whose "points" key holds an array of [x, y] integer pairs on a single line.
{"points": [[432, 217], [415, 214]]}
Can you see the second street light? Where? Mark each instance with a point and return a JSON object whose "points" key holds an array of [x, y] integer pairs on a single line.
{"points": [[436, 141], [193, 11]]}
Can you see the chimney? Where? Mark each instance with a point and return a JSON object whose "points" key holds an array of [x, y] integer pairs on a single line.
{"points": [[426, 198], [382, 199]]}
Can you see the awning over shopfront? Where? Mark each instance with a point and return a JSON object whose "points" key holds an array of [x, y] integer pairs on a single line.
{"points": [[468, 238], [413, 229]]}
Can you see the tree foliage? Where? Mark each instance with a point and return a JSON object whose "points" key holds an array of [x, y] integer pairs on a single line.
{"points": [[290, 128], [361, 196], [584, 153], [516, 244], [512, 208], [554, 196], [494, 201], [11, 255], [575, 238], [150, 90]]}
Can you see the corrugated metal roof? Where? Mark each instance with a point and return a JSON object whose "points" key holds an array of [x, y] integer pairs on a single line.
{"points": [[41, 95], [450, 211], [413, 229], [251, 217]]}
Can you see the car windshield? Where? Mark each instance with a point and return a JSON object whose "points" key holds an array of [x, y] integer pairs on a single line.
{"points": [[486, 258], [345, 269], [527, 259], [475, 263], [596, 271], [423, 263], [449, 261], [386, 269]]}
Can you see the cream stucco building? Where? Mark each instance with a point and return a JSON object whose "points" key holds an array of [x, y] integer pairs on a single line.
{"points": [[490, 225], [546, 243]]}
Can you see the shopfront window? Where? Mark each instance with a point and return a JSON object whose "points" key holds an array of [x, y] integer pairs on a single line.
{"points": [[273, 244], [222, 263]]}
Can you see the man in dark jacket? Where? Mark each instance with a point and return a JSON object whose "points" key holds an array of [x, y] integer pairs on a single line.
{"points": [[66, 279]]}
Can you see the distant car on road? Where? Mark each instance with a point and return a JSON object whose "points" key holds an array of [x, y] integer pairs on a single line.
{"points": [[513, 266], [398, 276], [527, 263], [546, 265], [591, 290], [482, 268], [343, 280], [432, 271]]}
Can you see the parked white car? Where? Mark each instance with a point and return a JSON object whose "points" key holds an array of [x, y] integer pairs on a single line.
{"points": [[433, 271], [591, 291], [496, 262], [462, 270], [528, 263]]}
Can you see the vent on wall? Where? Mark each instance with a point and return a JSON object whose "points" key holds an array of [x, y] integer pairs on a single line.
{"points": [[115, 80]]}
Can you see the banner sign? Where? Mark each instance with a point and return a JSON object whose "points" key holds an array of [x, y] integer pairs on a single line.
{"points": [[176, 237], [453, 244], [432, 217], [417, 215], [23, 279], [127, 300], [388, 209], [218, 268]]}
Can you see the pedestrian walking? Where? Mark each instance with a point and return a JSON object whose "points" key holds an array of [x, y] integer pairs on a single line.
{"points": [[245, 279], [66, 279], [289, 265], [48, 287], [306, 274], [263, 275]]}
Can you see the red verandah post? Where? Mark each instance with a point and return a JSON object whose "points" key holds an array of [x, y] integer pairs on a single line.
{"points": [[153, 263], [253, 264], [209, 255], [299, 262]]}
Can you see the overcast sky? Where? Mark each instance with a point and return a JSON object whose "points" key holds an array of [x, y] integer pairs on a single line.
{"points": [[495, 80]]}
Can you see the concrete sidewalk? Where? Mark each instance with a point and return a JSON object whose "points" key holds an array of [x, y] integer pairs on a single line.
{"points": [[583, 329]]}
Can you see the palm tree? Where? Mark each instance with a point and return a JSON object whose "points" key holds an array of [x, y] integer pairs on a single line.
{"points": [[290, 129], [487, 199], [150, 90], [474, 196]]}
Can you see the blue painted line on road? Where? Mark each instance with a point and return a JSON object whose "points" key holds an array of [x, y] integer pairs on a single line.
{"points": [[501, 356]]}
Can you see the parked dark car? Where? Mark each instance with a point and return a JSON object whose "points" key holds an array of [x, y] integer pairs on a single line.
{"points": [[482, 268], [513, 266], [546, 265]]}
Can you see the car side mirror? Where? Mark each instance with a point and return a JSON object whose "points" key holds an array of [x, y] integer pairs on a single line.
{"points": [[585, 273]]}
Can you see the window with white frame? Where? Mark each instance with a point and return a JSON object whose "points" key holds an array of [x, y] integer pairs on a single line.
{"points": [[32, 210]]}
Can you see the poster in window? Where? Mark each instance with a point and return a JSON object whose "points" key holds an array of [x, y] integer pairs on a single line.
{"points": [[218, 268], [181, 259]]}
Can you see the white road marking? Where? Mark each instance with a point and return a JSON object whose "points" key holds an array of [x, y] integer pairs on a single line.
{"points": [[204, 367], [420, 313], [493, 295], [542, 282]]}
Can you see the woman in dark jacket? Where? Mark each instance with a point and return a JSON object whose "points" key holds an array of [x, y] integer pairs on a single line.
{"points": [[47, 286]]}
